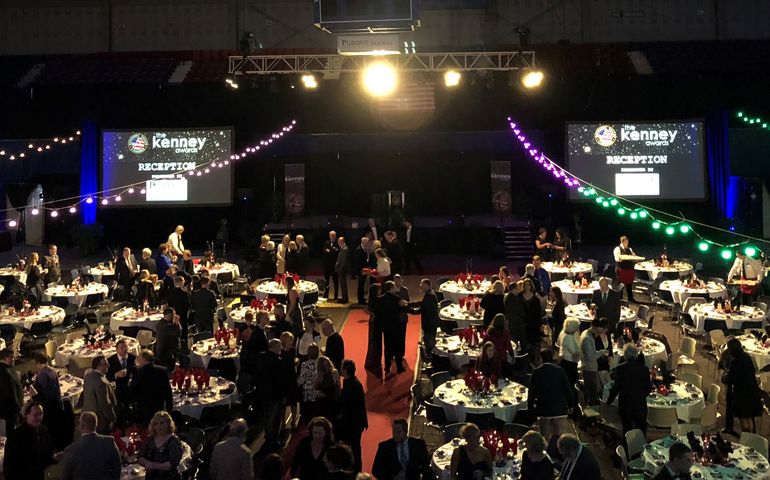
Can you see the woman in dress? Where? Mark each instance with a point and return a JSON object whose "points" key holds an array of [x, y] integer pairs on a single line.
{"points": [[562, 244], [569, 348], [535, 464], [161, 453], [308, 463], [542, 246], [292, 258], [59, 418], [472, 460], [267, 261], [742, 380], [294, 308], [532, 319], [556, 300], [383, 266], [489, 363], [498, 334], [280, 255], [34, 276], [493, 302], [29, 448], [326, 384], [306, 383]]}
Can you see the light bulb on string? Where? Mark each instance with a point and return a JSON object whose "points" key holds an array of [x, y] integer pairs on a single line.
{"points": [[54, 213], [684, 228], [726, 254], [669, 230], [750, 251], [89, 200], [703, 246], [12, 223], [73, 210], [142, 191], [656, 225], [35, 211], [131, 190], [621, 211], [633, 215], [105, 201]]}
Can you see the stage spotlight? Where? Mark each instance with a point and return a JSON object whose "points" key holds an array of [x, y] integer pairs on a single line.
{"points": [[532, 79], [379, 79], [309, 81], [452, 78]]}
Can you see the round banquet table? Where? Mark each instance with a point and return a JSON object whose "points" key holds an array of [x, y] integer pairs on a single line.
{"points": [[464, 318], [71, 388], [686, 397], [78, 348], [559, 272], [674, 271], [135, 471], [19, 275], [192, 405], [680, 292], [744, 463], [236, 315], [747, 317], [459, 353], [274, 289], [582, 312], [100, 272], [44, 313], [75, 297], [442, 458], [653, 350], [758, 351], [203, 351], [129, 317], [455, 291], [572, 294], [457, 400], [215, 270]]}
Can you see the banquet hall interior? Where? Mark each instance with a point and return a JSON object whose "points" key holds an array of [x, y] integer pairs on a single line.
{"points": [[390, 239]]}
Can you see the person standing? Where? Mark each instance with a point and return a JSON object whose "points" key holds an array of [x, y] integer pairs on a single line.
{"points": [[231, 459], [551, 396], [175, 244], [747, 268], [388, 314], [541, 275], [179, 299], [410, 249], [589, 355], [52, 265], [624, 269], [11, 393], [167, 344], [515, 313], [29, 449], [59, 418], [352, 420], [162, 261], [403, 294], [280, 255], [364, 258], [126, 270], [427, 308], [607, 303], [395, 252], [122, 367], [92, 456], [147, 262], [329, 260], [342, 268], [303, 255], [742, 380], [493, 302], [543, 248], [335, 344], [632, 385], [98, 394], [402, 456], [372, 230], [204, 305], [271, 386]]}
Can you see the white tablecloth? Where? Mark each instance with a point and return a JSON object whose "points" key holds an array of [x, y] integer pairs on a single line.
{"points": [[70, 386], [680, 293], [459, 353], [653, 350], [583, 313], [202, 352], [758, 351], [236, 315], [100, 272], [562, 271], [193, 405], [442, 458], [733, 321], [455, 292], [572, 294], [676, 268], [19, 275], [274, 288], [686, 397], [129, 317], [78, 348], [221, 268], [456, 400], [464, 319], [75, 297], [744, 462], [42, 314]]}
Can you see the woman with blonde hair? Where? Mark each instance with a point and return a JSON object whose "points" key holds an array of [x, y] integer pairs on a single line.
{"points": [[34, 275], [569, 348], [493, 302], [280, 255], [472, 460], [326, 384], [383, 265], [535, 464], [161, 453]]}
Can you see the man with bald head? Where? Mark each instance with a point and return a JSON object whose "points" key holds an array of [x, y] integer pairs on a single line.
{"points": [[231, 459], [91, 456]]}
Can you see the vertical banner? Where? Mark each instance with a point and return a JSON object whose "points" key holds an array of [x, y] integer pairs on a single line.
{"points": [[500, 181], [294, 189]]}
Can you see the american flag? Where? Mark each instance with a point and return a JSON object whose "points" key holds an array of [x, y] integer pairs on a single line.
{"points": [[137, 142], [410, 97]]}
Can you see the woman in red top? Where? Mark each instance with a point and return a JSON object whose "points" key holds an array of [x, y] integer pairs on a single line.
{"points": [[498, 334], [489, 362]]}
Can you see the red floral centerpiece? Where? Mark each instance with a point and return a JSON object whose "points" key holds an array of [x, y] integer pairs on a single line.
{"points": [[130, 441], [469, 280], [182, 379], [479, 383], [499, 445], [281, 279], [470, 336], [223, 336], [264, 305], [663, 390], [470, 304]]}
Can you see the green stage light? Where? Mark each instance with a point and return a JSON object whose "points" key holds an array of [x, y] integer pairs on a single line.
{"points": [[634, 215], [726, 254], [621, 211], [643, 214], [580, 189], [599, 199], [740, 114], [605, 204], [613, 202], [684, 228], [669, 230], [703, 246], [750, 251], [656, 225]]}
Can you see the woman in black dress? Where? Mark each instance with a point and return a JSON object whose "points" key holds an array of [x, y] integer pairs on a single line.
{"points": [[308, 461], [472, 460], [493, 302], [29, 449], [742, 380], [326, 385], [532, 319], [535, 464], [161, 453], [556, 300], [292, 258], [562, 244], [34, 276]]}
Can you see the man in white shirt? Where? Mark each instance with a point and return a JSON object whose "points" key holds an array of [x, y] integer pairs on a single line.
{"points": [[624, 268], [175, 242], [746, 268]]}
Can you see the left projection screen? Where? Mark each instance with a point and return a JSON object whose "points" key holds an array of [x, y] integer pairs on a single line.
{"points": [[161, 159]]}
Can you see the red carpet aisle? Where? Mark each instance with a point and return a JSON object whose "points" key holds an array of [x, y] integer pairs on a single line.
{"points": [[384, 401]]}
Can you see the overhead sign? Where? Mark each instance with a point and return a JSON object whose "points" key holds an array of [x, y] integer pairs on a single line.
{"points": [[373, 44]]}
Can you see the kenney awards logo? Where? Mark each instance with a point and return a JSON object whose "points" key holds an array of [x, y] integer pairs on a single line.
{"points": [[605, 136], [137, 143]]}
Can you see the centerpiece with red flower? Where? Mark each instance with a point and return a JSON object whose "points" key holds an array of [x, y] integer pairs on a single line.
{"points": [[130, 441], [471, 305], [469, 281], [470, 337], [265, 305], [182, 379], [281, 279], [223, 337], [478, 383], [98, 339], [501, 446]]}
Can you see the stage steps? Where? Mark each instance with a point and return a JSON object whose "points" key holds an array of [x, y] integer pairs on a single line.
{"points": [[518, 243]]}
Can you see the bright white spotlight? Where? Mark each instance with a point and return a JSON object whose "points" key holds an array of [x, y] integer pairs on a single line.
{"points": [[309, 81], [12, 223], [380, 79], [452, 78], [532, 78]]}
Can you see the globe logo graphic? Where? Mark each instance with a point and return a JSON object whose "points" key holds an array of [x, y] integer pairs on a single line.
{"points": [[137, 143], [605, 136]]}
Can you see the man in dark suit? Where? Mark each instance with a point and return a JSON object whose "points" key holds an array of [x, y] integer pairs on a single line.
{"points": [[179, 299], [329, 260], [271, 386], [11, 393], [579, 462], [167, 343], [372, 230], [352, 407], [410, 249], [679, 463], [363, 258], [147, 262], [551, 396], [52, 265], [150, 388], [125, 273], [122, 366], [303, 255], [388, 314], [607, 303], [342, 268], [402, 456], [204, 304], [92, 456], [335, 344], [429, 319], [392, 245], [632, 384]]}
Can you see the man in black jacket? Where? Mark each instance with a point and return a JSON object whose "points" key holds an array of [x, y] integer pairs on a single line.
{"points": [[272, 391], [150, 388], [168, 331], [410, 249], [632, 385], [429, 319], [204, 304], [329, 259], [388, 313], [147, 262], [352, 407], [679, 463], [122, 367], [126, 270], [551, 396], [303, 255], [11, 394], [607, 303], [335, 344], [179, 299], [579, 462], [402, 456], [52, 265]]}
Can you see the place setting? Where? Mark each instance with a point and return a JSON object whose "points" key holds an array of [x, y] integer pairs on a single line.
{"points": [[478, 393], [464, 285], [90, 345]]}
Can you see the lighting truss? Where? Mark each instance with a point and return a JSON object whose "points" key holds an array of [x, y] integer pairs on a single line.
{"points": [[331, 65]]}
